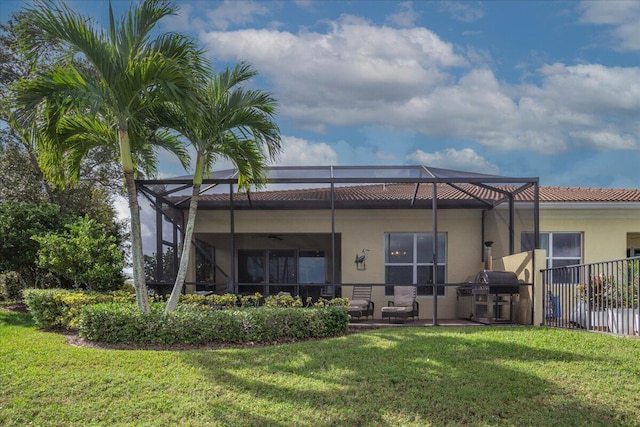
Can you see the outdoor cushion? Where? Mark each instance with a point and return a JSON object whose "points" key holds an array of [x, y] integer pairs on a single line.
{"points": [[396, 309], [359, 303], [403, 296]]}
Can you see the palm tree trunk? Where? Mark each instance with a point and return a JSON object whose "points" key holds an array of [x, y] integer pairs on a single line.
{"points": [[188, 235], [139, 282]]}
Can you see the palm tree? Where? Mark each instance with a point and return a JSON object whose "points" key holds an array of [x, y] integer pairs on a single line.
{"points": [[236, 124], [128, 75]]}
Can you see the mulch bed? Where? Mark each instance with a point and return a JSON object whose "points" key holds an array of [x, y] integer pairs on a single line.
{"points": [[18, 307]]}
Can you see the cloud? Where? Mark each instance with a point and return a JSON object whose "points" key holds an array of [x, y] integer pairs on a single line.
{"points": [[235, 13], [182, 20], [622, 16], [465, 160], [228, 14], [345, 75], [465, 12], [385, 156], [405, 16], [359, 74], [298, 152]]}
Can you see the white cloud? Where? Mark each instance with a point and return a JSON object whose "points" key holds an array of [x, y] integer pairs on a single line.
{"points": [[622, 16], [405, 16], [465, 160], [466, 12], [385, 156], [359, 74], [235, 13], [182, 20], [350, 75], [298, 152], [227, 14], [606, 140]]}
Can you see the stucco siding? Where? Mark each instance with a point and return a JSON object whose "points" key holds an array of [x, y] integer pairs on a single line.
{"points": [[605, 236]]}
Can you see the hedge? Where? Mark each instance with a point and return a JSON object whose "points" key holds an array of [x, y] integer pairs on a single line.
{"points": [[124, 323], [60, 308]]}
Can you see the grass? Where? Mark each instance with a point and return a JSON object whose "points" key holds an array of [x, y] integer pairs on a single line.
{"points": [[388, 377]]}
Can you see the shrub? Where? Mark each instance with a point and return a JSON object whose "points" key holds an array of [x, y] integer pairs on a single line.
{"points": [[251, 300], [283, 300], [18, 222], [11, 286], [194, 324], [60, 308], [85, 254], [224, 301]]}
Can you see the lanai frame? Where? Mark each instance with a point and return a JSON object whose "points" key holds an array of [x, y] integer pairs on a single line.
{"points": [[506, 189]]}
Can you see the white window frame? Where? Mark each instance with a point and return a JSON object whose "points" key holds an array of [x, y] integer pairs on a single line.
{"points": [[550, 256]]}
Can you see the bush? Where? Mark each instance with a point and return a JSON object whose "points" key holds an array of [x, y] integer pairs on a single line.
{"points": [[215, 300], [60, 308], [193, 324], [284, 300], [11, 286], [84, 254]]}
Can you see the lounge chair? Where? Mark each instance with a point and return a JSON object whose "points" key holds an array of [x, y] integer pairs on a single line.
{"points": [[360, 303], [404, 304]]}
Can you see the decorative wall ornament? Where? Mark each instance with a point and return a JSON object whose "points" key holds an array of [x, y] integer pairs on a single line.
{"points": [[361, 258]]}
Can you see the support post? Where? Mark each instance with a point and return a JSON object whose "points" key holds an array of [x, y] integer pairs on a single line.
{"points": [[159, 240], [434, 277], [333, 235], [232, 227]]}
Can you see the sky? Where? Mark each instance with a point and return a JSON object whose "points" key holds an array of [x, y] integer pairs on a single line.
{"points": [[547, 89]]}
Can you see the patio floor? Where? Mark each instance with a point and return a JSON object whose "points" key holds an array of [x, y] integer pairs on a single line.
{"points": [[378, 323]]}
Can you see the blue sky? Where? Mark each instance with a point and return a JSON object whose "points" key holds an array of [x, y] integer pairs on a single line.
{"points": [[548, 89]]}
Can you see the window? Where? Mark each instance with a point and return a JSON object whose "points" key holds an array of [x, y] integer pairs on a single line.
{"points": [[409, 261], [563, 249]]}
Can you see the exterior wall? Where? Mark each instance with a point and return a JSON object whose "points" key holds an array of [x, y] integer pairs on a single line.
{"points": [[361, 229], [366, 229], [605, 237], [604, 231]]}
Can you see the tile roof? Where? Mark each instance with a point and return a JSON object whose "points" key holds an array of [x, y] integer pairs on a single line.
{"points": [[402, 192]]}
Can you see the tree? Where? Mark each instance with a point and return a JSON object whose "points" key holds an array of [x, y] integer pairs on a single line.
{"points": [[84, 253], [130, 74], [235, 123], [23, 178], [18, 223], [20, 181]]}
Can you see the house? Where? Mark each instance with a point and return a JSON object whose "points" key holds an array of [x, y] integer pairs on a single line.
{"points": [[317, 231]]}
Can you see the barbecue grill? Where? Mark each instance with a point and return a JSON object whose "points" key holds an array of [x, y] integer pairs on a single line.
{"points": [[491, 296]]}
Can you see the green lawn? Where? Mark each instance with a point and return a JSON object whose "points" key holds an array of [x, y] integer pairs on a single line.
{"points": [[402, 376]]}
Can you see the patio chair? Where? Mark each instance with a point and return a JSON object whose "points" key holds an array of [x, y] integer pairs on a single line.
{"points": [[360, 303], [404, 304]]}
